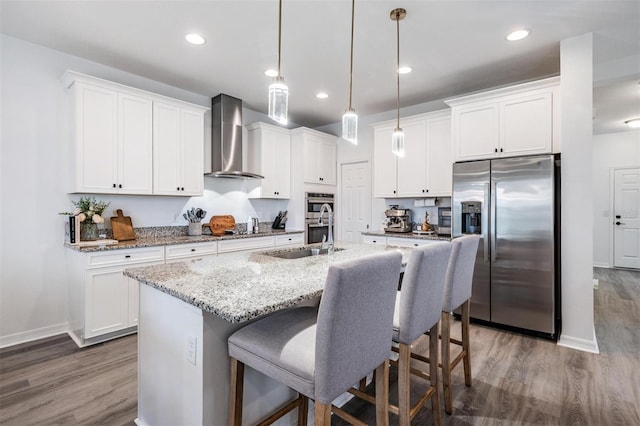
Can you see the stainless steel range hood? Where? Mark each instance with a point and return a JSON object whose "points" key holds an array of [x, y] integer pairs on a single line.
{"points": [[226, 139]]}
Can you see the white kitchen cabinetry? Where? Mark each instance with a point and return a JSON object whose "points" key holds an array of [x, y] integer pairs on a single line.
{"points": [[245, 244], [377, 240], [178, 137], [507, 122], [426, 168], [192, 251], [289, 240], [408, 242], [129, 141], [269, 155], [102, 301], [111, 150], [318, 155]]}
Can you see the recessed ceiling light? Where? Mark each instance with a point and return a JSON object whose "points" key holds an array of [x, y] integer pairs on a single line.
{"points": [[634, 123], [322, 95], [404, 70], [271, 73], [518, 35], [194, 38]]}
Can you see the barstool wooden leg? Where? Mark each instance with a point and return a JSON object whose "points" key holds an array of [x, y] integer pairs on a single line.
{"points": [[235, 393], [433, 374], [303, 410], [466, 360], [382, 394], [322, 414], [404, 385], [446, 361]]}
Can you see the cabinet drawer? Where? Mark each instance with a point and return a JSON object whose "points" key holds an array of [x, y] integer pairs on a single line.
{"points": [[181, 251], [124, 257], [408, 242], [257, 243], [289, 239], [374, 239]]}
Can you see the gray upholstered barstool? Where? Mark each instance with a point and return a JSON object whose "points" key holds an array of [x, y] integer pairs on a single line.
{"points": [[457, 293], [417, 310], [321, 352]]}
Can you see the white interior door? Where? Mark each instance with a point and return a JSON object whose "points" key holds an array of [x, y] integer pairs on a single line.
{"points": [[355, 200], [626, 218]]}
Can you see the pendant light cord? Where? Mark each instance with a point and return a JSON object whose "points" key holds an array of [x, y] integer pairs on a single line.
{"points": [[353, 7], [279, 33], [398, 64]]}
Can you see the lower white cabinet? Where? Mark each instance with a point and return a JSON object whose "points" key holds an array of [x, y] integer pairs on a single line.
{"points": [[371, 239], [396, 241], [289, 240], [193, 251], [241, 244], [103, 303]]}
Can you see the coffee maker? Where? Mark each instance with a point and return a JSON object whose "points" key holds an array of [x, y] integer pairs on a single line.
{"points": [[398, 220]]}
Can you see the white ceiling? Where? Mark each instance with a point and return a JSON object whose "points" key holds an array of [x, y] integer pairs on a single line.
{"points": [[454, 47]]}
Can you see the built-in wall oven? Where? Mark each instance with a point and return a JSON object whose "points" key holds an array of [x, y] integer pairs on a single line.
{"points": [[313, 203]]}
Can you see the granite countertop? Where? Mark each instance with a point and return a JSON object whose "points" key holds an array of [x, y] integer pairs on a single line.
{"points": [[238, 287], [167, 239], [408, 235]]}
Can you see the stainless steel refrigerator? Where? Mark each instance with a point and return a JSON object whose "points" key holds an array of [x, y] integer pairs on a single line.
{"points": [[513, 204]]}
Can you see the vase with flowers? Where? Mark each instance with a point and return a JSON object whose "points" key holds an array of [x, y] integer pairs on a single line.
{"points": [[89, 212]]}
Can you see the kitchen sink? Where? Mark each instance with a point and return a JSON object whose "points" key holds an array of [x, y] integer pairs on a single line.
{"points": [[297, 254]]}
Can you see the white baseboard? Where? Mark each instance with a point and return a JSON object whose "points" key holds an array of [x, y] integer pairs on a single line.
{"points": [[601, 265], [584, 345], [35, 334]]}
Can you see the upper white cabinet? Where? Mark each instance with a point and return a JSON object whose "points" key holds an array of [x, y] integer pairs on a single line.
{"points": [[112, 135], [269, 155], [128, 141], [318, 155], [519, 120], [425, 170], [178, 137]]}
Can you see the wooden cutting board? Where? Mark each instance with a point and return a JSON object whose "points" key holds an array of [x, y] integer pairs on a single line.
{"points": [[122, 227], [218, 224]]}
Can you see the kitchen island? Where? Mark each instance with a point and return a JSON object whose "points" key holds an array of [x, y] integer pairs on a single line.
{"points": [[189, 309]]}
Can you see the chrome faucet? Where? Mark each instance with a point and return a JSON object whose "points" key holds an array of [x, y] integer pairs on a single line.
{"points": [[329, 243]]}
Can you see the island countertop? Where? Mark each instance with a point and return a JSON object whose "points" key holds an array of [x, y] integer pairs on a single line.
{"points": [[238, 287]]}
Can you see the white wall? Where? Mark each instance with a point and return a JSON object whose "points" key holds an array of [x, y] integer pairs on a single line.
{"points": [[576, 63], [609, 151], [35, 119]]}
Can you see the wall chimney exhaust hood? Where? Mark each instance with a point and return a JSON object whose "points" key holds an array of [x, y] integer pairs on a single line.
{"points": [[226, 139]]}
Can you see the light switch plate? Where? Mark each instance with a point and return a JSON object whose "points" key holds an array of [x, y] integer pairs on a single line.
{"points": [[192, 349]]}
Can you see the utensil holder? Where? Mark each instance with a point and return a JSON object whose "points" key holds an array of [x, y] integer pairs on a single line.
{"points": [[195, 229]]}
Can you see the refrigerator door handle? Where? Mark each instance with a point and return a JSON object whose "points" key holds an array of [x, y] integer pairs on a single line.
{"points": [[494, 196], [485, 219]]}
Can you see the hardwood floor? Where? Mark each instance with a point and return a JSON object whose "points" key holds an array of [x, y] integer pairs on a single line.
{"points": [[517, 380]]}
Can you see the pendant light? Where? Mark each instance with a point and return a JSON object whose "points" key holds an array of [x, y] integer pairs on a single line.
{"points": [[350, 118], [278, 90], [397, 138]]}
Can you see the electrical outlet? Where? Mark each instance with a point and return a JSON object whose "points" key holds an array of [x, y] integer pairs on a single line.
{"points": [[192, 349]]}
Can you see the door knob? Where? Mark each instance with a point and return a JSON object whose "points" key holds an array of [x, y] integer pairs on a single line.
{"points": [[619, 223], [618, 216]]}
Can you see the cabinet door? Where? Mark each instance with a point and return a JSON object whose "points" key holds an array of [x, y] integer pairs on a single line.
{"points": [[192, 164], [310, 153], [412, 167], [134, 301], [377, 240], [282, 171], [475, 132], [384, 165], [439, 168], [526, 126], [106, 304], [96, 135], [327, 162], [269, 154], [167, 153], [134, 145]]}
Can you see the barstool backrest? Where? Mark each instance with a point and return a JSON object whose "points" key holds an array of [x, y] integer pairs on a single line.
{"points": [[355, 322], [422, 290], [460, 271]]}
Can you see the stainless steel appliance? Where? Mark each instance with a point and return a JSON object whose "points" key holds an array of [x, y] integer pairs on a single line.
{"points": [[398, 219], [513, 204], [444, 220], [313, 229]]}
